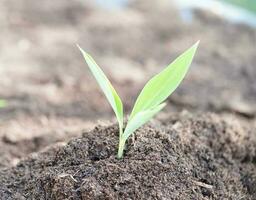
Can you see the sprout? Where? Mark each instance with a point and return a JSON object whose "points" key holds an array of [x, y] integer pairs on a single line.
{"points": [[150, 101]]}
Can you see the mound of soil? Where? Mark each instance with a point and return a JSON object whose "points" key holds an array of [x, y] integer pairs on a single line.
{"points": [[179, 157], [23, 136], [184, 157]]}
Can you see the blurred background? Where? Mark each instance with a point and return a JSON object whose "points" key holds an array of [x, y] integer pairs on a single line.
{"points": [[50, 94]]}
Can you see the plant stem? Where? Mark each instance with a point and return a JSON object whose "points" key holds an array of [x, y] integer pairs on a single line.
{"points": [[120, 130], [121, 142], [121, 148]]}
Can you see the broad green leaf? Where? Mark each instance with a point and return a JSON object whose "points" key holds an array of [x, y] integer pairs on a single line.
{"points": [[139, 119], [164, 83], [106, 87]]}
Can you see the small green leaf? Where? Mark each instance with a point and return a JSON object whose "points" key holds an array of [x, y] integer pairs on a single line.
{"points": [[164, 83], [141, 118], [136, 122], [106, 87]]}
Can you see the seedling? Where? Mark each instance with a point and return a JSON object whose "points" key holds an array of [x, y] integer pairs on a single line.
{"points": [[150, 101]]}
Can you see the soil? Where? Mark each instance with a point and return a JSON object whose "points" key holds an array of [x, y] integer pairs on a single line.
{"points": [[31, 136], [53, 99], [186, 157], [55, 80]]}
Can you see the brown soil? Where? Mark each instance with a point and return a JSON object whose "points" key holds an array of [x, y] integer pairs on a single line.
{"points": [[24, 136], [199, 157], [131, 45], [42, 74], [53, 98]]}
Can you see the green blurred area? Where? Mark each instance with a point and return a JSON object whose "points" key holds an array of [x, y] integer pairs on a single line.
{"points": [[3, 103], [247, 4]]}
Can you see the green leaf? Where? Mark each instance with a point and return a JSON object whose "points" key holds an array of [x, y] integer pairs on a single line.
{"points": [[164, 83], [139, 119], [106, 87]]}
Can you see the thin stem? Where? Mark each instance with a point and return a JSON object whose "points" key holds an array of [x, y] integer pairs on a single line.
{"points": [[121, 147], [120, 130], [121, 142]]}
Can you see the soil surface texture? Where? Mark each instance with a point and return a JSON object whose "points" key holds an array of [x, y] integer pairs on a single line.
{"points": [[193, 157], [57, 138]]}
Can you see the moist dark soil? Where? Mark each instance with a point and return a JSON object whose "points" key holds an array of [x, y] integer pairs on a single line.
{"points": [[52, 98], [27, 135], [193, 157], [42, 74], [13, 150]]}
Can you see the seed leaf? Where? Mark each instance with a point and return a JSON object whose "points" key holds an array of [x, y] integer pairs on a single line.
{"points": [[105, 86], [141, 118], [163, 84]]}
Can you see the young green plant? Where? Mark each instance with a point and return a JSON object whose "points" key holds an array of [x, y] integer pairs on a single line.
{"points": [[150, 100]]}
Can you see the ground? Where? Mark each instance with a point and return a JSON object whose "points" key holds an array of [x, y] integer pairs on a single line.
{"points": [[179, 157], [52, 98]]}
